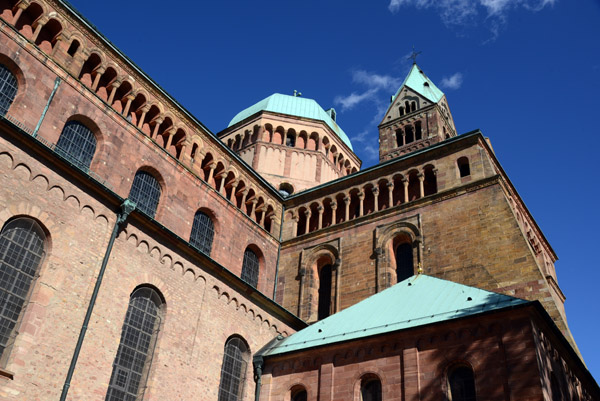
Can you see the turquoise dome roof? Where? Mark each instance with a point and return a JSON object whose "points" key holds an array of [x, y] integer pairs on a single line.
{"points": [[292, 106]]}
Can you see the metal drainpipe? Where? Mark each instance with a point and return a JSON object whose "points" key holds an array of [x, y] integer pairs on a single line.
{"points": [[39, 124], [258, 366], [126, 208], [278, 251]]}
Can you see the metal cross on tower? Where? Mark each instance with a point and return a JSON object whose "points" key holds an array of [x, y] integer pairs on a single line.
{"points": [[414, 55]]}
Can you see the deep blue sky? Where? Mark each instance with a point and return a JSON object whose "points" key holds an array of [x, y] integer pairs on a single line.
{"points": [[528, 77]]}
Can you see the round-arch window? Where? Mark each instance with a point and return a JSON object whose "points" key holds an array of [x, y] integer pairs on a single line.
{"points": [[250, 267], [77, 144], [462, 384], [8, 89], [233, 370], [202, 232], [300, 395], [145, 192]]}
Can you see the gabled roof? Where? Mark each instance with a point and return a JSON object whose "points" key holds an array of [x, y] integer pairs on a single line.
{"points": [[418, 82], [416, 301], [293, 106]]}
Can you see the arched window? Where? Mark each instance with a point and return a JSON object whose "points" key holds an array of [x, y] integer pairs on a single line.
{"points": [[250, 267], [461, 384], [22, 248], [77, 143], [418, 131], [324, 308], [145, 192], [405, 267], [290, 140], [8, 89], [300, 395], [233, 370], [138, 336], [399, 137], [463, 167], [202, 232], [370, 390]]}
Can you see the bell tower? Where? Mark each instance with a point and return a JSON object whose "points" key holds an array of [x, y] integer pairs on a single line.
{"points": [[418, 117]]}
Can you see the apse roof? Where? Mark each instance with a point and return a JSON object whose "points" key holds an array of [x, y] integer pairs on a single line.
{"points": [[420, 83], [416, 301], [293, 106]]}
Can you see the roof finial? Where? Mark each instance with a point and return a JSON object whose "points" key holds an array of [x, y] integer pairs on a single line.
{"points": [[297, 94], [414, 55]]}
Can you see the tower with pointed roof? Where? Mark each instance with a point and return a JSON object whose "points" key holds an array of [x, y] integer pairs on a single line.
{"points": [[418, 117]]}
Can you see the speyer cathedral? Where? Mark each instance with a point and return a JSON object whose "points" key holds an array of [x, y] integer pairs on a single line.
{"points": [[143, 257]]}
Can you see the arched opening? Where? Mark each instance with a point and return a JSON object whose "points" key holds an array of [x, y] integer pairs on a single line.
{"points": [[414, 189], [430, 181], [302, 140], [233, 369], [136, 109], [250, 267], [302, 221], [290, 139], [138, 337], [105, 82], [22, 250], [77, 144], [145, 192], [6, 7], [278, 136], [370, 389], [461, 384], [325, 281], [88, 69], [8, 89], [413, 106], [48, 35], [418, 131], [299, 394], [409, 134], [203, 231], [313, 142], [73, 47], [269, 214], [286, 189], [464, 169], [177, 143], [399, 137], [239, 194], [149, 121], [407, 106], [401, 110], [398, 191], [27, 18], [403, 257], [120, 96], [194, 151]]}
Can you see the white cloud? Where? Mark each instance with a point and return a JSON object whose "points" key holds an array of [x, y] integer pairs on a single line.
{"points": [[376, 81], [453, 82], [348, 102], [465, 12], [361, 137]]}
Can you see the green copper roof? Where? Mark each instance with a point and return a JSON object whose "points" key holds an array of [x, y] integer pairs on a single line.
{"points": [[417, 80], [293, 106], [416, 301]]}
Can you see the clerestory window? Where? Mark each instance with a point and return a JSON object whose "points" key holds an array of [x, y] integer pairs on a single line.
{"points": [[8, 89], [250, 268], [203, 232], [233, 370], [77, 144], [145, 192]]}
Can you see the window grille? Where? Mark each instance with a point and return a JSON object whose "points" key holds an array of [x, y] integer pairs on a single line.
{"points": [[250, 268], [202, 232], [134, 355], [233, 370], [8, 89], [21, 252], [462, 384], [77, 143], [145, 192]]}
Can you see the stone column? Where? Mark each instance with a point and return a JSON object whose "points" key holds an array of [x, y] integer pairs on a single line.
{"points": [[210, 174], [375, 191], [421, 177], [405, 183], [222, 176], [307, 213], [99, 71], [378, 265], [157, 122], [129, 98], [252, 206], [113, 90], [170, 133], [347, 203], [333, 212], [320, 209], [295, 226], [232, 194], [145, 110], [262, 217], [390, 186], [39, 24], [22, 6], [361, 198]]}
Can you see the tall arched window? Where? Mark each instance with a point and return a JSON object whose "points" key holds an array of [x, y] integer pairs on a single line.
{"points": [[404, 261], [138, 336], [233, 370], [145, 192], [202, 232], [370, 390], [22, 248], [77, 143], [250, 267], [464, 169], [8, 89], [461, 384], [324, 308]]}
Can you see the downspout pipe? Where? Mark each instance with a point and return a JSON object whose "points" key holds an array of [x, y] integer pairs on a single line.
{"points": [[258, 363], [39, 124], [126, 208]]}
